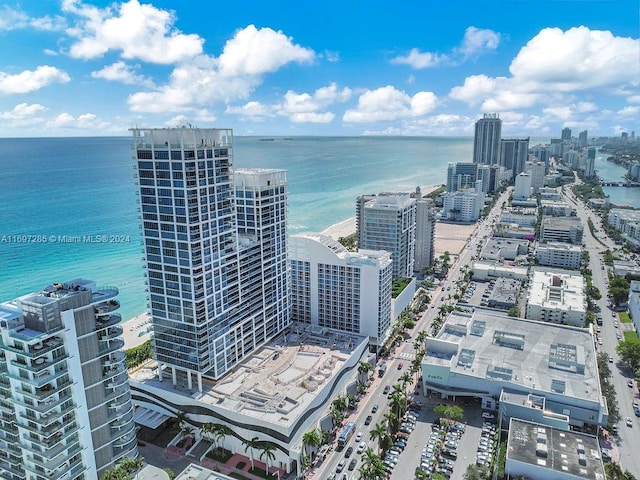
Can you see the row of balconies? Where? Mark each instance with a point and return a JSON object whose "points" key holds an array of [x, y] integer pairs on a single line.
{"points": [[38, 364]]}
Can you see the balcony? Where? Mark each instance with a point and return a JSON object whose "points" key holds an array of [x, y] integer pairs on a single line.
{"points": [[110, 333], [38, 364], [107, 307], [101, 294], [108, 346], [107, 320], [39, 349], [116, 358], [122, 426]]}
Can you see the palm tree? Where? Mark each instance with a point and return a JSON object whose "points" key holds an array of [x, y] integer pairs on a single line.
{"points": [[406, 379], [336, 415], [364, 369], [267, 453], [207, 431], [250, 445], [379, 433], [372, 467], [398, 403], [310, 439], [392, 421], [220, 433]]}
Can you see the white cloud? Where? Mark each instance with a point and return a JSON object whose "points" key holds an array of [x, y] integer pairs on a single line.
{"points": [[138, 31], [29, 81], [476, 88], [24, 114], [256, 52], [206, 80], [250, 109], [86, 121], [387, 103], [577, 59], [633, 98], [630, 111], [419, 60], [312, 117], [554, 64], [477, 41], [13, 19], [123, 73]]}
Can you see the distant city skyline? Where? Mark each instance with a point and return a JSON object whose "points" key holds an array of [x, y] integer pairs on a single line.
{"points": [[88, 68]]}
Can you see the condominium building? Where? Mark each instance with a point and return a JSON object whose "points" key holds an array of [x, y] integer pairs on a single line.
{"points": [[557, 297], [561, 229], [461, 175], [425, 234], [64, 390], [215, 245], [583, 138], [514, 152], [561, 255], [388, 222], [566, 134], [537, 172], [522, 190], [341, 290], [465, 206], [486, 145]]}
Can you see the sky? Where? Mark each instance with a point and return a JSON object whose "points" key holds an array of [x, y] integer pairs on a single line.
{"points": [[344, 68]]}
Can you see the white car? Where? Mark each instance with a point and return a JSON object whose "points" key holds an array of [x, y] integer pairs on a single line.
{"points": [[358, 436], [629, 422], [488, 416], [362, 447]]}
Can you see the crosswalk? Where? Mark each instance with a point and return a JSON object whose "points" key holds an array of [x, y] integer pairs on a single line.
{"points": [[406, 355]]}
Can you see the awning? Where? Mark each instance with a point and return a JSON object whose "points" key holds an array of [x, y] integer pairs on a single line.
{"points": [[149, 418]]}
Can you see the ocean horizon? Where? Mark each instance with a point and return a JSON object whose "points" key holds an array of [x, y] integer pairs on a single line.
{"points": [[69, 205]]}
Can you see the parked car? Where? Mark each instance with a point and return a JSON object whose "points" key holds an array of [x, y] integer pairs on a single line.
{"points": [[488, 416]]}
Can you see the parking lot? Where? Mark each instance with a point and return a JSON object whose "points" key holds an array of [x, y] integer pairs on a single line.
{"points": [[462, 442]]}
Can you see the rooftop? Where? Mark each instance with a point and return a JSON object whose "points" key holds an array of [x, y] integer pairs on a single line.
{"points": [[537, 355], [570, 453], [278, 381], [556, 290]]}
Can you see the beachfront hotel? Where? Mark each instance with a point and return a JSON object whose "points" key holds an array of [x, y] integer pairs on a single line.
{"points": [[334, 288], [64, 391], [215, 246]]}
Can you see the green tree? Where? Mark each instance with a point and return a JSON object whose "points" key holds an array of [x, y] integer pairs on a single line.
{"points": [[629, 351], [250, 445], [452, 412], [380, 434], [310, 439], [372, 467], [267, 454], [475, 472]]}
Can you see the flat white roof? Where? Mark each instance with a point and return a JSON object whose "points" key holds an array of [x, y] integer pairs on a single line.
{"points": [[537, 355], [560, 291]]}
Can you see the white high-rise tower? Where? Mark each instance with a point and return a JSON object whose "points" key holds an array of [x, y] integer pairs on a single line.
{"points": [[486, 145], [215, 246]]}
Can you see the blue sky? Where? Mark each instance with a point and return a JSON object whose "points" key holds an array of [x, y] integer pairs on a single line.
{"points": [[78, 68]]}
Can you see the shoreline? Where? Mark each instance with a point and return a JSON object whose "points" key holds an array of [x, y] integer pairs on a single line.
{"points": [[137, 330]]}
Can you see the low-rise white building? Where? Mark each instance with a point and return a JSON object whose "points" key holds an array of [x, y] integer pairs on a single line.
{"points": [[561, 255], [334, 288], [556, 297], [489, 270], [561, 229], [464, 206], [539, 452], [556, 208], [498, 248], [634, 303], [543, 372], [523, 217]]}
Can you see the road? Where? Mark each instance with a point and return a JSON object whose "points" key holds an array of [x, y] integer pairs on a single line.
{"points": [[404, 354], [629, 437]]}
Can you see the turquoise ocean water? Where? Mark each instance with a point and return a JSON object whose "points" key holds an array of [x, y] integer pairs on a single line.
{"points": [[81, 189]]}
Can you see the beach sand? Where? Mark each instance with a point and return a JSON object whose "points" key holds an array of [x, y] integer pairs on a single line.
{"points": [[348, 227], [449, 237], [136, 331]]}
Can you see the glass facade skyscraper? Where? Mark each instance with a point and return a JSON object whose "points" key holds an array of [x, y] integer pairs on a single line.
{"points": [[486, 145], [215, 251]]}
